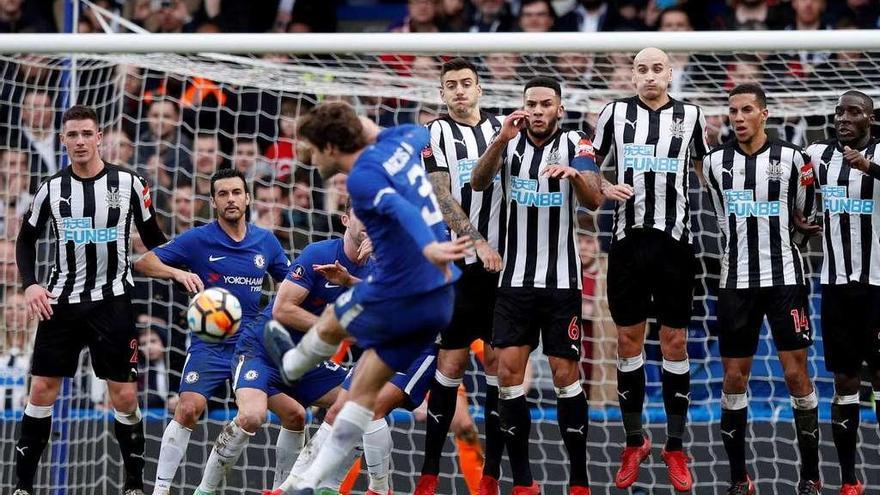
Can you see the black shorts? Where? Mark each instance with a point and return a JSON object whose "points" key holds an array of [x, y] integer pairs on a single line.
{"points": [[106, 327], [851, 327], [524, 314], [741, 314], [650, 274], [474, 308]]}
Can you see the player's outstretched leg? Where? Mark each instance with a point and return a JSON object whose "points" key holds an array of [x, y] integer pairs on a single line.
{"points": [[175, 439], [129, 429], [318, 345], [36, 427], [377, 454], [441, 409], [292, 436]]}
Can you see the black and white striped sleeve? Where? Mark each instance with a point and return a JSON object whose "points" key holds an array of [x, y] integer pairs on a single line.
{"points": [[699, 145], [31, 227], [604, 131], [144, 214], [806, 191], [433, 157]]}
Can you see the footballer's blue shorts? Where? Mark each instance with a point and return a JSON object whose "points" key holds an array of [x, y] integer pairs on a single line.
{"points": [[254, 369], [414, 382], [398, 329], [206, 368]]}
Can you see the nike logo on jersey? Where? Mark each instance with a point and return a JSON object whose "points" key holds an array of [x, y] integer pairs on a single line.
{"points": [[216, 258], [728, 433], [330, 286]]}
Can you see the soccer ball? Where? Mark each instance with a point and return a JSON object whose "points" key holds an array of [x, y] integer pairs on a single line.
{"points": [[214, 315]]}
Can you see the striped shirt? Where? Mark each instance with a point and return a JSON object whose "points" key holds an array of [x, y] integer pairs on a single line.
{"points": [[753, 197], [851, 234], [454, 149], [540, 249], [91, 223], [652, 153]]}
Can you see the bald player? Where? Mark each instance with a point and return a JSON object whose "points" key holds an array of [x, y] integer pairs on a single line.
{"points": [[651, 260]]}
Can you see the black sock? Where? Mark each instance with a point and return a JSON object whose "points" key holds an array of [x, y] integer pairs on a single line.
{"points": [[32, 441], [441, 409], [676, 399], [845, 429], [516, 423], [131, 445], [494, 440], [806, 422], [573, 423], [631, 393], [733, 434]]}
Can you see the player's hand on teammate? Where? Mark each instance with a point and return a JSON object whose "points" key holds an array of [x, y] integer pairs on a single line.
{"points": [[365, 249], [855, 159], [617, 192], [512, 124], [803, 225], [335, 273], [560, 172], [190, 281], [37, 299], [442, 253], [490, 257]]}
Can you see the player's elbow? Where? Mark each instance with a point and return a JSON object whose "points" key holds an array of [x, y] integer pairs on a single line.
{"points": [[479, 182]]}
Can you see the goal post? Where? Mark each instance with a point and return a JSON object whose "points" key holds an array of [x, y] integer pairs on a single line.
{"points": [[176, 106]]}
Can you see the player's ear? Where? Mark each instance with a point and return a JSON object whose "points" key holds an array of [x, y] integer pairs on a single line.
{"points": [[560, 110], [345, 219]]}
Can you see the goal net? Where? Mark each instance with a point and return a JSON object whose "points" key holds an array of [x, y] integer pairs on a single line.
{"points": [[176, 118]]}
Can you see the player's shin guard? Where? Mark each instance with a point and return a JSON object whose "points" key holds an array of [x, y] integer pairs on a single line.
{"points": [[734, 420], [287, 449], [516, 424], [36, 426], [377, 454], [572, 415], [305, 356], [129, 429], [494, 440], [676, 378], [631, 394], [441, 409], [348, 429], [806, 422], [227, 448], [171, 452], [845, 429]]}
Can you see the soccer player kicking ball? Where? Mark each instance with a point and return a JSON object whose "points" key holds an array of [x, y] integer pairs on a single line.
{"points": [[761, 190], [399, 310]]}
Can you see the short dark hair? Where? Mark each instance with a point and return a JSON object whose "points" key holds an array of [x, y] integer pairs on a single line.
{"points": [[459, 63], [544, 82], [228, 173], [335, 123], [867, 101], [673, 10], [80, 112], [750, 89], [548, 3]]}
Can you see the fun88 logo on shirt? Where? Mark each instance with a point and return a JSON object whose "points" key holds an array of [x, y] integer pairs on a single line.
{"points": [[525, 192], [835, 201], [640, 158], [742, 204], [79, 230]]}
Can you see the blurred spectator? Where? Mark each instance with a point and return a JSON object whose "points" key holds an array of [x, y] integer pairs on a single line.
{"points": [[164, 16], [15, 196], [808, 16], [502, 67], [305, 17], [588, 16], [860, 14], [282, 152], [427, 113], [18, 16], [246, 158], [308, 225], [269, 213], [36, 133], [750, 15], [153, 374], [8, 268], [536, 16], [491, 16], [627, 16], [425, 67], [183, 208], [455, 14], [130, 81], [422, 17], [578, 70], [677, 19], [15, 352], [206, 161], [335, 201], [744, 69], [117, 148], [164, 138]]}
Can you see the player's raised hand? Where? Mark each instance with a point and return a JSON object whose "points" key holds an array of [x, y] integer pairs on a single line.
{"points": [[365, 249], [37, 299], [855, 159], [617, 192], [490, 257], [560, 172], [335, 273], [442, 253], [189, 280], [512, 125]]}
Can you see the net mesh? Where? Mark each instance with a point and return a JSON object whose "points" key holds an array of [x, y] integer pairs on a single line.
{"points": [[175, 119]]}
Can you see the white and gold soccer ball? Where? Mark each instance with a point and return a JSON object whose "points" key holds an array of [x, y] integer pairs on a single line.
{"points": [[214, 315]]}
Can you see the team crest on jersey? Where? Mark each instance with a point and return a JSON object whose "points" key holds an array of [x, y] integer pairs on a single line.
{"points": [[259, 261], [113, 199], [298, 272], [774, 170], [554, 157], [427, 152], [191, 377], [676, 128], [251, 375]]}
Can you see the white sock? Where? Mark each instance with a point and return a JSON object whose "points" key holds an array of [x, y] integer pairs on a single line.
{"points": [[377, 453], [227, 448], [287, 449], [310, 351], [351, 422], [335, 479], [174, 442], [306, 456]]}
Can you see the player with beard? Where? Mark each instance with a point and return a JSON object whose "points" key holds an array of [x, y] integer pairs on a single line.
{"points": [[545, 172]]}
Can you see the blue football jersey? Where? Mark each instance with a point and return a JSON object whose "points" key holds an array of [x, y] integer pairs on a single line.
{"points": [[392, 197], [220, 261]]}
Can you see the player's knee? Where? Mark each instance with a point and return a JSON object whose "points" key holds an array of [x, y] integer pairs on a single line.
{"points": [[628, 344], [294, 418], [735, 381], [187, 412], [43, 391], [846, 384], [673, 344], [565, 371], [124, 399], [509, 373], [797, 380], [452, 366], [250, 421]]}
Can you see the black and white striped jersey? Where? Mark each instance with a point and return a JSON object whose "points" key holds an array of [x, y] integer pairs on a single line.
{"points": [[540, 249], [91, 223], [850, 200], [455, 149], [753, 197], [652, 153]]}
